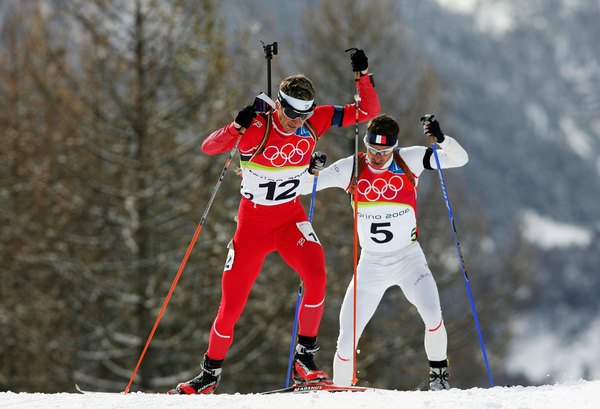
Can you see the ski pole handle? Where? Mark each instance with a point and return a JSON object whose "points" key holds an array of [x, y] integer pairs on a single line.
{"points": [[360, 62], [426, 120]]}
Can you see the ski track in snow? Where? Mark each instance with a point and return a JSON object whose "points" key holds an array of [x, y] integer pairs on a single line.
{"points": [[577, 395]]}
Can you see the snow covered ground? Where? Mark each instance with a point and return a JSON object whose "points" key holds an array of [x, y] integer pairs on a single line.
{"points": [[577, 395]]}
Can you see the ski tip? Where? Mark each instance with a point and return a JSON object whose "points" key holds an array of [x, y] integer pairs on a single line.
{"points": [[420, 387], [87, 392]]}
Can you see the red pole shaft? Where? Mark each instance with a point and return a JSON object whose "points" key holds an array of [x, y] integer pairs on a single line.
{"points": [[355, 263]]}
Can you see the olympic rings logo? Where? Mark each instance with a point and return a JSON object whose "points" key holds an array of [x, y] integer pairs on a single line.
{"points": [[288, 153], [380, 188]]}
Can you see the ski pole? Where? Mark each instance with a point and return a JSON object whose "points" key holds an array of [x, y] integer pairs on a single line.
{"points": [[355, 206], [301, 286], [294, 335], [270, 50], [185, 259], [425, 119]]}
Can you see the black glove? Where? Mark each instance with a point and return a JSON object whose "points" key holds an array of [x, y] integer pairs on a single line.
{"points": [[317, 162], [432, 127], [360, 62], [245, 117]]}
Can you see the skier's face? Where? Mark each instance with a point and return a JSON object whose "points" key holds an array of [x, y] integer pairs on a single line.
{"points": [[379, 155], [289, 125]]}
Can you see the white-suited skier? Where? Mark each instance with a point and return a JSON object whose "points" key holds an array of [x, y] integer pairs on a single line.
{"points": [[387, 231]]}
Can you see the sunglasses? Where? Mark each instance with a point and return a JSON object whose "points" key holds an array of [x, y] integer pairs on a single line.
{"points": [[374, 151], [291, 113]]}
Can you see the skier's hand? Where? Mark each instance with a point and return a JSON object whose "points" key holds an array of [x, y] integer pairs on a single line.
{"points": [[317, 162], [245, 117], [431, 127], [359, 61]]}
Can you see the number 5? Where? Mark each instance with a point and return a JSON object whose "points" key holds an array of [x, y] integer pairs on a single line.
{"points": [[376, 228]]}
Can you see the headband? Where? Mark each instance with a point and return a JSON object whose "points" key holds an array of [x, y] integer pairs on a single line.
{"points": [[299, 105]]}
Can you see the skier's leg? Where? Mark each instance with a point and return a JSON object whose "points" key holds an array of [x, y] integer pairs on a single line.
{"points": [[370, 290], [300, 248], [302, 251], [244, 261], [420, 289]]}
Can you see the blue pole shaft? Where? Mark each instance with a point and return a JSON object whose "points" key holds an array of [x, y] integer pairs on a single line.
{"points": [[294, 335], [462, 263], [311, 210], [300, 288]]}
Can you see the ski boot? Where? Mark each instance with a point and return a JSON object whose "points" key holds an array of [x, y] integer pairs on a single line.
{"points": [[204, 383], [438, 375], [306, 372]]}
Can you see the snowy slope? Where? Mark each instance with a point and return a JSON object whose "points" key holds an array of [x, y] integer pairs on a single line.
{"points": [[580, 395]]}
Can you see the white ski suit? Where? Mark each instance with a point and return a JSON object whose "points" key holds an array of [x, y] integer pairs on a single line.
{"points": [[391, 255]]}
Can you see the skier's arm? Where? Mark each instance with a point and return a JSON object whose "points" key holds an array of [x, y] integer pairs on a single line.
{"points": [[223, 139], [368, 105], [336, 175], [450, 153], [326, 116]]}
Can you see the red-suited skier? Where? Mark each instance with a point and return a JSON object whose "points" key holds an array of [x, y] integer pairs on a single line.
{"points": [[275, 153]]}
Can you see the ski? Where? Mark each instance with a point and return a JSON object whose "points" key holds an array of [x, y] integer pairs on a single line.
{"points": [[82, 390], [86, 392], [420, 387], [315, 388], [292, 389]]}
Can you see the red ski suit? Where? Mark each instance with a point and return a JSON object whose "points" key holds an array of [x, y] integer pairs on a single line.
{"points": [[271, 217]]}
